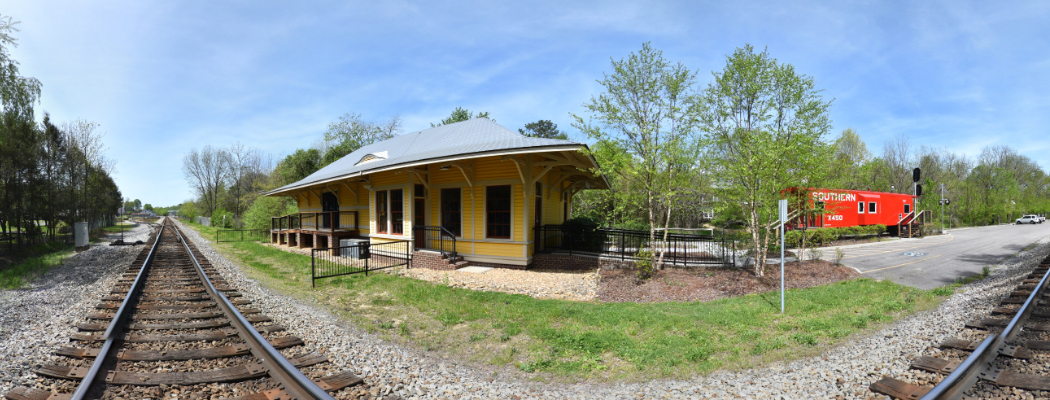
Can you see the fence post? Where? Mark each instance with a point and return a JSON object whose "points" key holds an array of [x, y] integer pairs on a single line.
{"points": [[312, 269], [674, 255], [570, 242], [623, 246]]}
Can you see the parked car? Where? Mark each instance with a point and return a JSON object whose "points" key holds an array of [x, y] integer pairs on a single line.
{"points": [[1029, 219]]}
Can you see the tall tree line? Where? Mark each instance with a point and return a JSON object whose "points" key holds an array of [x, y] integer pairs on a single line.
{"points": [[996, 186], [226, 179], [57, 175]]}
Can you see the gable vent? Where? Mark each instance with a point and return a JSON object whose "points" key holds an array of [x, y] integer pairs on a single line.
{"points": [[372, 157]]}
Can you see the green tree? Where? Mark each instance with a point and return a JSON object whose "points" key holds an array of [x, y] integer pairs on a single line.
{"points": [[850, 156], [649, 110], [297, 166], [148, 207], [543, 129], [460, 115], [767, 123], [351, 133]]}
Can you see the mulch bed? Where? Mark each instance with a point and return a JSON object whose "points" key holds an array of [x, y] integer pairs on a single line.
{"points": [[707, 284]]}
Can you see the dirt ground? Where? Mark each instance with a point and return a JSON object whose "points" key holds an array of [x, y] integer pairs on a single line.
{"points": [[707, 284]]}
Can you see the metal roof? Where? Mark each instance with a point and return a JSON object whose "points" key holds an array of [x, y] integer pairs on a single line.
{"points": [[479, 135]]}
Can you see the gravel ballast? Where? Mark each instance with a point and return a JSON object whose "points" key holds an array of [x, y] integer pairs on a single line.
{"points": [[841, 372], [37, 319]]}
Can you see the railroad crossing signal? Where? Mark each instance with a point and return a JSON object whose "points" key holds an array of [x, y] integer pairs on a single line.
{"points": [[944, 202]]}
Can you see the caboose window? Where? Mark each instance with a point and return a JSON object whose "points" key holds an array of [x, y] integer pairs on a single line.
{"points": [[860, 207], [871, 207], [907, 208]]}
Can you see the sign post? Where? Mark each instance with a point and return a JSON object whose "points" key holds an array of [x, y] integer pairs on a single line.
{"points": [[942, 208], [783, 206]]}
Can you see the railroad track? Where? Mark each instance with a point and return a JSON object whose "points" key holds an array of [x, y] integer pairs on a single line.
{"points": [[173, 327], [1005, 355]]}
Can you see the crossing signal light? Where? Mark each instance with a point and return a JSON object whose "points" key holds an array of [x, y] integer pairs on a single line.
{"points": [[918, 189], [915, 175]]}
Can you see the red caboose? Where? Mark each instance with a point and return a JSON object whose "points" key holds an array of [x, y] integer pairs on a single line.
{"points": [[854, 208]]}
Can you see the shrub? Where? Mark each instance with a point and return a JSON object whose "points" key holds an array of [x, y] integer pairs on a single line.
{"points": [[645, 264], [585, 234], [815, 254], [221, 218], [258, 215]]}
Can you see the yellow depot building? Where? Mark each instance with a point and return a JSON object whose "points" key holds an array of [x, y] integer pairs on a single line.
{"points": [[471, 192]]}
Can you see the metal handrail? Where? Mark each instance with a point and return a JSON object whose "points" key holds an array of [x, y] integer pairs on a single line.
{"points": [[443, 233], [303, 386]]}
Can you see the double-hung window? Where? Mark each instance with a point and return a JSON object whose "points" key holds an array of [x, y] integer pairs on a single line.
{"points": [[381, 212], [497, 212], [397, 214], [860, 207]]}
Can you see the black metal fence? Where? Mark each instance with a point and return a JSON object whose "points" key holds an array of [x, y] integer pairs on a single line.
{"points": [[240, 235], [435, 238], [358, 258], [679, 249]]}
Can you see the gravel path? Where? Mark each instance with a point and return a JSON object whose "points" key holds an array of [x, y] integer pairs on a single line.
{"points": [[37, 319], [561, 285], [842, 372]]}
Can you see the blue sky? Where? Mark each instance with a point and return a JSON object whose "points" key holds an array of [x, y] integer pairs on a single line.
{"points": [[164, 77]]}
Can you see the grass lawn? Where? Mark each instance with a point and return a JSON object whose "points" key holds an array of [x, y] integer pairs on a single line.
{"points": [[124, 227], [50, 255], [564, 340]]}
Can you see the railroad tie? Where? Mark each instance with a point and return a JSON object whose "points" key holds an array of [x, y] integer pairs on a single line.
{"points": [[898, 389]]}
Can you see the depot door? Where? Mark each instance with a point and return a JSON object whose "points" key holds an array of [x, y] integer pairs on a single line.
{"points": [[420, 219], [328, 203]]}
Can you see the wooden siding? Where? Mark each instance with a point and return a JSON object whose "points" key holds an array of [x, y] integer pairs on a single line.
{"points": [[487, 171], [491, 168], [498, 249]]}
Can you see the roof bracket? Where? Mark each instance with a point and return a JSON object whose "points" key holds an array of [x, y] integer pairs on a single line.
{"points": [[517, 164]]}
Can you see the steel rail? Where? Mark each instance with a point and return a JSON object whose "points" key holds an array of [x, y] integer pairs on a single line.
{"points": [[968, 373], [118, 318], [292, 380]]}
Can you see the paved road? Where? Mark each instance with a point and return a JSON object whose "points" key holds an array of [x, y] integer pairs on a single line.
{"points": [[938, 260]]}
